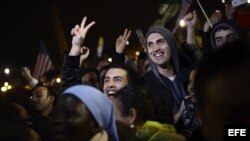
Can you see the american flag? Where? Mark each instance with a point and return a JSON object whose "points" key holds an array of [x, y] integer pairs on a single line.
{"points": [[43, 62]]}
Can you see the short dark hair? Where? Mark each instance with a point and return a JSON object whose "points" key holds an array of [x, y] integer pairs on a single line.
{"points": [[132, 76], [139, 98], [51, 91]]}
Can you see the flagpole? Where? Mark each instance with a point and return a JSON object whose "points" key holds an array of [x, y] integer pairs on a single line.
{"points": [[203, 11]]}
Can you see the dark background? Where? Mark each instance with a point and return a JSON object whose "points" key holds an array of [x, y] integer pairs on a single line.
{"points": [[24, 22]]}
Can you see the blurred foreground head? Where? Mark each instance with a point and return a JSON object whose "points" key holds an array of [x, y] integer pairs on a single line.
{"points": [[222, 89]]}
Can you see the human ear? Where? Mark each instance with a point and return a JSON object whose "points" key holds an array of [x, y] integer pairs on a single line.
{"points": [[132, 116]]}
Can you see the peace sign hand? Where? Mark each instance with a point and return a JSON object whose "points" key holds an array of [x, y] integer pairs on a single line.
{"points": [[79, 32], [121, 41]]}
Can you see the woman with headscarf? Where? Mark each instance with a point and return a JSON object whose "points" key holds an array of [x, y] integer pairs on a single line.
{"points": [[84, 113]]}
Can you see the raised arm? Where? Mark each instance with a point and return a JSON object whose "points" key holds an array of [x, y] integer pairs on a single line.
{"points": [[190, 20], [229, 10], [119, 57], [214, 18], [79, 35], [72, 61], [121, 41], [26, 73]]}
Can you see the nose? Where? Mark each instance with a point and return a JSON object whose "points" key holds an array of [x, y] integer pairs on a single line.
{"points": [[156, 47], [111, 84]]}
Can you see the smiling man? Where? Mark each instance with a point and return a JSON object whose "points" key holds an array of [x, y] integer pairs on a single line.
{"points": [[165, 81], [117, 77]]}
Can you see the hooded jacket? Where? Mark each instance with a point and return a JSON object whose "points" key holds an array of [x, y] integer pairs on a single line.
{"points": [[209, 38], [167, 94], [229, 24]]}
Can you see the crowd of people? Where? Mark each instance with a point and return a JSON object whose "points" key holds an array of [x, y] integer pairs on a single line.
{"points": [[173, 92]]}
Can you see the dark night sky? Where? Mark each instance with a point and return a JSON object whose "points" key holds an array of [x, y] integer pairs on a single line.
{"points": [[23, 22]]}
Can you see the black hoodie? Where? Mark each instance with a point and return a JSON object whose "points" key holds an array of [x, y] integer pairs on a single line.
{"points": [[209, 40], [168, 94]]}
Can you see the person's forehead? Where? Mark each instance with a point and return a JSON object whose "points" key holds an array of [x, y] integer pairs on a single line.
{"points": [[40, 88], [75, 104], [154, 36], [224, 32], [116, 72]]}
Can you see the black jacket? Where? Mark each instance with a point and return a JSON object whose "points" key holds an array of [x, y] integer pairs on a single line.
{"points": [[162, 94], [70, 71]]}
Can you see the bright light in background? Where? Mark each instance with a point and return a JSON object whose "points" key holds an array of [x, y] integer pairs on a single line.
{"points": [[6, 87], [7, 71], [6, 84], [58, 80], [182, 23], [127, 42], [3, 89], [137, 53], [110, 59], [248, 1]]}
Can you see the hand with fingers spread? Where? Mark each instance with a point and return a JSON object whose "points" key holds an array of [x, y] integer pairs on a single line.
{"points": [[121, 41], [79, 34], [84, 54]]}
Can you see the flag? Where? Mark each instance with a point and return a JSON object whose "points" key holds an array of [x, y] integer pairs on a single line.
{"points": [[43, 62]]}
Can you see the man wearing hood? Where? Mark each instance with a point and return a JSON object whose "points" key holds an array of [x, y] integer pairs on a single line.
{"points": [[223, 32], [165, 81]]}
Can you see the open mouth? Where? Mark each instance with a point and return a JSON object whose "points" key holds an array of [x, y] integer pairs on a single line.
{"points": [[111, 93]]}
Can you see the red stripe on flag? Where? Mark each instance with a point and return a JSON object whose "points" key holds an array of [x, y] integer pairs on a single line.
{"points": [[43, 62]]}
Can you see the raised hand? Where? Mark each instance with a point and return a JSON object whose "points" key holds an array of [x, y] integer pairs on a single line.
{"points": [[229, 10], [25, 71], [84, 54], [190, 20], [79, 34], [214, 18], [121, 41]]}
